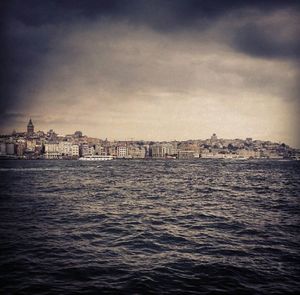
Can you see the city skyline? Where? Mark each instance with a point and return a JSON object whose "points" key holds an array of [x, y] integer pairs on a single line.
{"points": [[35, 131], [33, 144], [32, 131], [159, 70]]}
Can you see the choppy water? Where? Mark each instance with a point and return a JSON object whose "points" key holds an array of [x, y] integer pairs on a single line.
{"points": [[149, 227]]}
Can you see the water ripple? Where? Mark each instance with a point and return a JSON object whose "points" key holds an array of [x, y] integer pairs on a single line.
{"points": [[149, 227]]}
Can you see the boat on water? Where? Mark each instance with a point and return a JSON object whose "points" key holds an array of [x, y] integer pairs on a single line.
{"points": [[96, 158]]}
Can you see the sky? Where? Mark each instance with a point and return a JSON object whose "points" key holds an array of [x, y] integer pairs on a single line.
{"points": [[152, 69]]}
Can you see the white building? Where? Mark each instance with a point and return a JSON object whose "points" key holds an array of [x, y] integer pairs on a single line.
{"points": [[162, 150], [52, 150], [65, 148], [122, 152], [75, 150]]}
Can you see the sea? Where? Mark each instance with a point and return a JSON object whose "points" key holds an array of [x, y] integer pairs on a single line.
{"points": [[149, 227]]}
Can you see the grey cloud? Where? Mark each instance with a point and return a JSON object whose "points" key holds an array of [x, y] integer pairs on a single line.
{"points": [[8, 118], [174, 13], [60, 53], [256, 41]]}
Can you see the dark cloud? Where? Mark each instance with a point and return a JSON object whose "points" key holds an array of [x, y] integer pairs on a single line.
{"points": [[29, 27], [12, 118], [173, 13], [257, 41]]}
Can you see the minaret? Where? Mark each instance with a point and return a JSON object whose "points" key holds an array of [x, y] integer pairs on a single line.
{"points": [[30, 128]]}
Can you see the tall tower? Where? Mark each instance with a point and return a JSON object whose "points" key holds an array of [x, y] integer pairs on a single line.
{"points": [[30, 128]]}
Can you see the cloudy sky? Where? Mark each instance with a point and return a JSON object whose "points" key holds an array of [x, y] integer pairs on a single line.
{"points": [[152, 69]]}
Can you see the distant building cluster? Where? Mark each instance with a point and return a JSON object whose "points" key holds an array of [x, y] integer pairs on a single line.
{"points": [[50, 145]]}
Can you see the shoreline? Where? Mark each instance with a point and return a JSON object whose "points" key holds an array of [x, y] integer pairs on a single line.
{"points": [[154, 159]]}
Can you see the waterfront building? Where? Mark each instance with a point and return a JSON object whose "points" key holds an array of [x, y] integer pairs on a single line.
{"points": [[91, 150], [30, 128], [65, 148], [10, 148], [162, 150], [111, 150], [75, 150], [87, 150], [20, 150], [84, 150], [21, 147], [147, 150], [136, 152], [2, 148], [99, 150], [122, 152], [175, 147], [52, 150]]}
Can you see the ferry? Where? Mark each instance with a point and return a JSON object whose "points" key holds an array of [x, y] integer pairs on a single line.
{"points": [[96, 158]]}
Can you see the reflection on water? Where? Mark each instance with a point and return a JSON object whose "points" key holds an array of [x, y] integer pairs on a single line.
{"points": [[69, 227]]}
